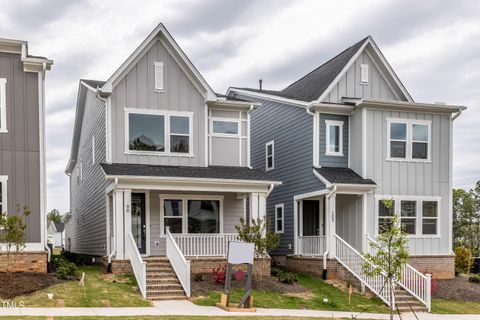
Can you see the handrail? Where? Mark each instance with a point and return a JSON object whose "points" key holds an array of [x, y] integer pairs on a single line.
{"points": [[353, 261], [412, 281], [180, 265], [204, 244], [138, 265], [311, 245]]}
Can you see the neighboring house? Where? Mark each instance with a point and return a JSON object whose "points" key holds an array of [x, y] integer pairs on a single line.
{"points": [[341, 139], [56, 234], [22, 146], [159, 169]]}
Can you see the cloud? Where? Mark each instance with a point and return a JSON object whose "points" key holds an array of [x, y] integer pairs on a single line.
{"points": [[432, 45]]}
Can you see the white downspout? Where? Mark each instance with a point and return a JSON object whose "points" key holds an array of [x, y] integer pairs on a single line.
{"points": [[114, 249]]}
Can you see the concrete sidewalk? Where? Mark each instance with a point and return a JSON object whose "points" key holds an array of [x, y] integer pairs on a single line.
{"points": [[186, 308]]}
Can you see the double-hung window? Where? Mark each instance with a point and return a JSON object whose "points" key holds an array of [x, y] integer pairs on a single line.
{"points": [[3, 194], [419, 216], [173, 215], [279, 218], [334, 138], [269, 155], [408, 140], [158, 132], [3, 105]]}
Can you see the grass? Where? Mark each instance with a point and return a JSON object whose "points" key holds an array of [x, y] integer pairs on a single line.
{"points": [[101, 290], [338, 300], [455, 307], [164, 318]]}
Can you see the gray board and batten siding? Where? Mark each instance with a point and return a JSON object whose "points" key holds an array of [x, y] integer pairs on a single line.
{"points": [[20, 146], [86, 232], [291, 129]]}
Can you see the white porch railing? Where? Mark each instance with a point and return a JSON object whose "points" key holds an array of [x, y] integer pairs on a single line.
{"points": [[353, 261], [311, 245], [178, 261], [204, 244], [138, 265], [413, 281]]}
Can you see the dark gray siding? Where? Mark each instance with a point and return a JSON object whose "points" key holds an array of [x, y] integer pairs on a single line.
{"points": [[329, 160], [20, 147], [87, 227], [292, 130]]}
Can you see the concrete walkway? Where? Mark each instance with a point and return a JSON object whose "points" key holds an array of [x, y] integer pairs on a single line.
{"points": [[186, 308]]}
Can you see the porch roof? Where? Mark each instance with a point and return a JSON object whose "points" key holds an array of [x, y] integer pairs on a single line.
{"points": [[342, 176], [211, 172]]}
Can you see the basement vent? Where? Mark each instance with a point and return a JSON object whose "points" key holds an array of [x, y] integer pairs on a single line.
{"points": [[158, 75], [364, 73]]}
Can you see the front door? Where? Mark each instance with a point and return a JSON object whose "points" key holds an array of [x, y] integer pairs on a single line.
{"points": [[311, 218], [139, 228]]}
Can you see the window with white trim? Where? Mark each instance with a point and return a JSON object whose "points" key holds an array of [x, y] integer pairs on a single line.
{"points": [[225, 127], [158, 132], [408, 140], [269, 155], [279, 218], [158, 74], [334, 138], [93, 150], [3, 194], [3, 105], [419, 216]]}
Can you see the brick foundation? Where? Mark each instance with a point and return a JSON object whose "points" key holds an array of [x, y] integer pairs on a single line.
{"points": [[120, 266], [206, 264], [25, 262], [441, 267]]}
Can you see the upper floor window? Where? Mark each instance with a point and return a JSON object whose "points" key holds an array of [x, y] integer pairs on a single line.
{"points": [[3, 105], [3, 194], [334, 138], [224, 127], [152, 131], [158, 74], [269, 155], [279, 218], [408, 140]]}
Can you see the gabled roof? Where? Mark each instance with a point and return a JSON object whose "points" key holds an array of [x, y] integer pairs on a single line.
{"points": [[314, 86], [342, 176], [60, 226], [162, 34]]}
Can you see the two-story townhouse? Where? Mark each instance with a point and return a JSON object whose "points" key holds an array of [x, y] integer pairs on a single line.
{"points": [[341, 139], [22, 147], [160, 170]]}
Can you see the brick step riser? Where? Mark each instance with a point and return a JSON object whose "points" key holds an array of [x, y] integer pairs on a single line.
{"points": [[158, 287], [160, 270], [165, 275], [169, 293], [166, 298], [163, 281]]}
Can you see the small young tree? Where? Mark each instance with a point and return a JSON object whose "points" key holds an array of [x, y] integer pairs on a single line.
{"points": [[54, 216], [14, 234], [254, 231], [390, 254]]}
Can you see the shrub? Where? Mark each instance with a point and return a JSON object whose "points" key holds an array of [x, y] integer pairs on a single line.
{"points": [[78, 259], [219, 274], [253, 233], [287, 277], [62, 267], [275, 271], [463, 260], [239, 275], [199, 277], [475, 278]]}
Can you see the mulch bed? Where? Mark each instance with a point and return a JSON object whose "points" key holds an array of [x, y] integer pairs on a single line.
{"points": [[201, 288], [17, 284], [457, 289]]}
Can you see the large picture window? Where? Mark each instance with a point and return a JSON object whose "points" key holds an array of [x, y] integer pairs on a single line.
{"points": [[158, 132], [334, 138], [3, 194], [408, 140], [203, 216]]}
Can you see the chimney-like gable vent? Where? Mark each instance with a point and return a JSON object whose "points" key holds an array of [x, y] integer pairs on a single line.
{"points": [[158, 66], [364, 73]]}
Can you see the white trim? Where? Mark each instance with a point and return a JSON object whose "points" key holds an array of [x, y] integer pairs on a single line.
{"points": [[409, 139], [327, 183], [4, 193], [277, 206], [419, 213], [316, 139], [184, 198], [450, 188], [3, 105], [206, 138], [93, 150], [364, 143], [248, 139], [158, 74], [310, 194], [42, 157], [364, 73], [293, 102], [167, 134], [328, 125], [108, 131], [226, 135], [270, 143], [191, 179]]}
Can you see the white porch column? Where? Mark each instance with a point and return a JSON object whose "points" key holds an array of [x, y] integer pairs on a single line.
{"points": [[295, 227], [127, 204], [331, 228], [118, 210], [262, 209], [254, 214]]}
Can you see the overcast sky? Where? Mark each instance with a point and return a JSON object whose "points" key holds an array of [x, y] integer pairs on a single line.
{"points": [[433, 46]]}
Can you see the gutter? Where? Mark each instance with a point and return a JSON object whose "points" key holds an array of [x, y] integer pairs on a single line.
{"points": [[114, 249], [49, 252]]}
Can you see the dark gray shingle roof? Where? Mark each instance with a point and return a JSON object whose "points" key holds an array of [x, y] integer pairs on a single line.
{"points": [[60, 226], [311, 86], [211, 172], [342, 175], [94, 83]]}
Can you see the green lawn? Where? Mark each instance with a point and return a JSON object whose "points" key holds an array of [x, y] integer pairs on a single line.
{"points": [[455, 307], [101, 290], [338, 300]]}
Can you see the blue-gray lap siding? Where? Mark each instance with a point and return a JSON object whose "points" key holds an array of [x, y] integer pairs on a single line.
{"points": [[291, 128], [328, 160], [87, 227]]}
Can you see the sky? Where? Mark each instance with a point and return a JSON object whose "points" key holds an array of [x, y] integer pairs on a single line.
{"points": [[433, 46]]}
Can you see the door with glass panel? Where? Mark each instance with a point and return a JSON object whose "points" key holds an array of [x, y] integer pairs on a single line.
{"points": [[139, 228]]}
